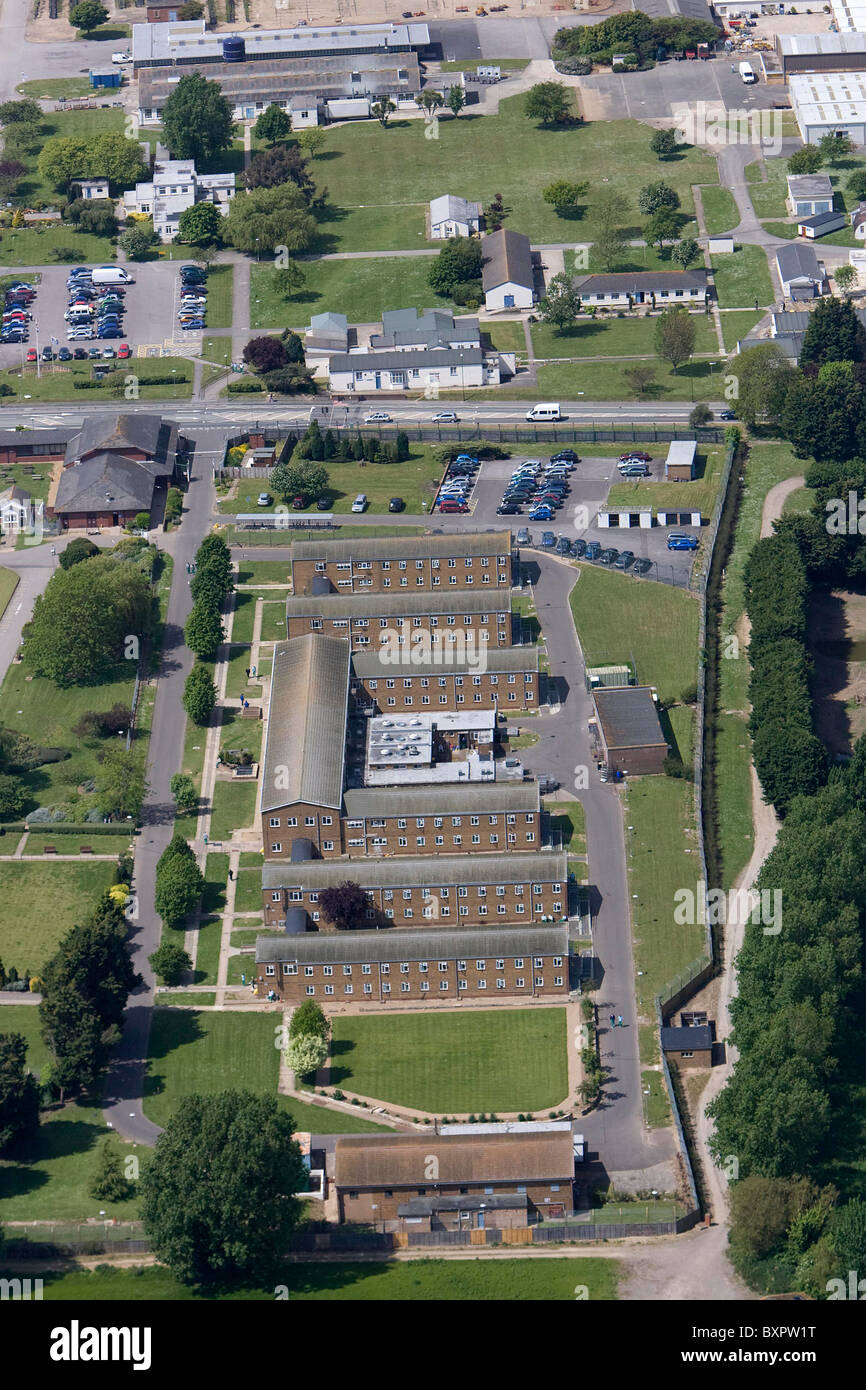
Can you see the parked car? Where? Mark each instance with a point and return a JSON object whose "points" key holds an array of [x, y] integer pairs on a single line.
{"points": [[593, 550], [108, 353], [450, 505], [299, 502], [110, 331], [264, 499], [508, 509], [467, 458], [523, 537], [323, 503], [565, 456], [634, 470], [80, 354], [638, 454], [64, 355], [396, 504], [681, 540], [32, 355], [577, 549], [641, 565], [48, 354], [542, 514], [360, 503], [124, 350], [727, 415], [193, 324], [548, 540], [607, 557], [624, 559], [563, 546], [94, 353], [445, 417]]}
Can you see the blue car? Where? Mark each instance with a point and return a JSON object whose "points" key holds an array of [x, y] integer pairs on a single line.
{"points": [[548, 540], [196, 324], [681, 540], [110, 333], [541, 514]]}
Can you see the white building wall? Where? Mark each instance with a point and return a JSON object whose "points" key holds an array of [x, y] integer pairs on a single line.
{"points": [[520, 297]]}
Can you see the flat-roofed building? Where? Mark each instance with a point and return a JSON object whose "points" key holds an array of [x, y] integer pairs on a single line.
{"points": [[398, 619], [404, 562], [830, 102], [404, 967], [311, 66], [490, 1180], [629, 730], [463, 889], [508, 678]]}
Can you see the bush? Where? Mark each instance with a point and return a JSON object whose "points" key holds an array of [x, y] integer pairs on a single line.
{"points": [[244, 388], [574, 67]]}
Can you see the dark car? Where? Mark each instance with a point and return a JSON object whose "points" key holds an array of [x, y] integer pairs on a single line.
{"points": [[109, 331], [565, 456], [48, 354], [593, 550], [299, 503], [577, 549], [508, 509], [65, 355], [563, 546], [94, 352], [624, 559], [80, 354], [548, 540], [607, 557], [727, 415], [323, 504], [641, 566], [396, 504]]}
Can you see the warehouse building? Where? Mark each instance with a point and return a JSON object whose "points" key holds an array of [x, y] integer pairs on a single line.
{"points": [[830, 104], [843, 52], [302, 70]]}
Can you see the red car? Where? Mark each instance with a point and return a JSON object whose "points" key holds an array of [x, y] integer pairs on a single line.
{"points": [[31, 355], [449, 505], [124, 350], [636, 454]]}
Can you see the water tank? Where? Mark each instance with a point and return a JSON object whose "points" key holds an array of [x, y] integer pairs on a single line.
{"points": [[234, 49]]}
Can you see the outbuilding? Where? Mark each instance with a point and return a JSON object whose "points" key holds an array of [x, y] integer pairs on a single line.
{"points": [[681, 463], [506, 273], [628, 729], [821, 224], [688, 1047]]}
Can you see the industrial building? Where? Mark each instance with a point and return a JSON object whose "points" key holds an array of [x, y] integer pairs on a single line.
{"points": [[844, 52], [830, 103], [338, 70]]}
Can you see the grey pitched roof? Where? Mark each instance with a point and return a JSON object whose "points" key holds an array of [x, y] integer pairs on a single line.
{"points": [[485, 798], [14, 494], [305, 749], [396, 604], [328, 323], [27, 438], [450, 208], [363, 947], [427, 871], [105, 482], [810, 186], [449, 547], [507, 260], [432, 327], [403, 361], [500, 661], [650, 281], [628, 716], [797, 260], [829, 221], [151, 433]]}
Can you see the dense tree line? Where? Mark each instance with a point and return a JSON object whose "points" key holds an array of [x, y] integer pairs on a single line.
{"points": [[179, 882], [788, 756], [211, 583], [631, 33]]}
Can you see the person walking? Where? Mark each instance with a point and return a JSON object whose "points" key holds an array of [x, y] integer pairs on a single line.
{"points": [[613, 1020], [619, 1021]]}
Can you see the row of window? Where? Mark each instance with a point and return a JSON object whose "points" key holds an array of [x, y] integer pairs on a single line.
{"points": [[290, 967], [420, 582], [297, 894], [422, 1191], [409, 700], [409, 681], [322, 565], [377, 841], [405, 988], [450, 621], [381, 822]]}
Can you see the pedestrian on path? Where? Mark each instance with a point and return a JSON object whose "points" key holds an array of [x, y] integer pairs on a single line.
{"points": [[613, 1020], [619, 1021], [231, 874]]}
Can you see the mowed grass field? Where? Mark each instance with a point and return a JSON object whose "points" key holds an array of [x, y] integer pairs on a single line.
{"points": [[8, 585], [721, 213], [194, 1052], [652, 624], [359, 289], [612, 337], [512, 1060], [39, 901], [447, 1281], [743, 277], [380, 180]]}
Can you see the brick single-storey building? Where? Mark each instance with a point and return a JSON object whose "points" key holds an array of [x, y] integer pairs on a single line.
{"points": [[114, 467], [628, 728], [380, 967], [688, 1047], [455, 1182]]}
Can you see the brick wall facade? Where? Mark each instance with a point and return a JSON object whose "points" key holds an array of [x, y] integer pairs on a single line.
{"points": [[517, 977], [443, 905], [379, 576]]}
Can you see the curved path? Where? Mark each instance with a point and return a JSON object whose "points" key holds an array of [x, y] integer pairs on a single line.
{"points": [[766, 825]]}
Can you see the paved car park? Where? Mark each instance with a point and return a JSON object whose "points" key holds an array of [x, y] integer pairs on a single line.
{"points": [[589, 484]]}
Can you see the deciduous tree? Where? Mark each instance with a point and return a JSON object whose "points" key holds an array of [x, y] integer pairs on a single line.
{"points": [[201, 224], [675, 336], [204, 630], [549, 103], [197, 120], [199, 694], [19, 1093], [273, 124]]}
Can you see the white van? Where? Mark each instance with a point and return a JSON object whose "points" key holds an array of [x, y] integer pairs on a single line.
{"points": [[547, 410], [111, 275], [747, 73]]}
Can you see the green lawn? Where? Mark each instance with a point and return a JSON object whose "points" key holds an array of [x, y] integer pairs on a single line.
{"points": [[263, 572], [234, 805], [215, 877], [414, 480], [220, 284], [248, 893], [55, 88], [70, 844], [236, 681], [613, 337], [447, 1281], [194, 743], [477, 156], [721, 213], [657, 1109], [178, 999], [8, 585], [207, 955], [662, 815], [273, 624], [244, 617], [462, 1063], [738, 324], [34, 478], [734, 795], [506, 335], [57, 381], [36, 245], [359, 289], [768, 197], [81, 125], [799, 502], [743, 277], [24, 1018], [606, 381], [569, 819], [701, 492], [239, 733], [29, 933], [470, 64], [618, 620], [215, 349]]}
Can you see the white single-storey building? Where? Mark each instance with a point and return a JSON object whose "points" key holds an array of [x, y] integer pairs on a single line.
{"points": [[18, 511], [821, 224], [176, 186], [624, 289], [801, 274], [450, 216], [809, 194], [91, 188], [506, 272], [304, 112], [829, 103], [327, 333], [436, 369]]}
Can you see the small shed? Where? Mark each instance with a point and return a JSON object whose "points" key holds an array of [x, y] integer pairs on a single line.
{"points": [[689, 1047], [610, 517], [629, 730], [721, 246], [105, 77], [681, 464], [679, 517], [91, 188], [349, 108], [260, 458], [821, 224], [597, 676]]}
